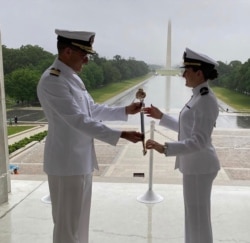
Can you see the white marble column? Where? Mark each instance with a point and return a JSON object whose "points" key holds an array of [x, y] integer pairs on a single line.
{"points": [[4, 154]]}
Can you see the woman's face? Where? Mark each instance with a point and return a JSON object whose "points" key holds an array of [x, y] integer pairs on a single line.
{"points": [[193, 78]]}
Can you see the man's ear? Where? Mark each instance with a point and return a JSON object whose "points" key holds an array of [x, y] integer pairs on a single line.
{"points": [[68, 50]]}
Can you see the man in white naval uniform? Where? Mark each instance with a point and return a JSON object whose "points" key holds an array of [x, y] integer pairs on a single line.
{"points": [[195, 155], [73, 124]]}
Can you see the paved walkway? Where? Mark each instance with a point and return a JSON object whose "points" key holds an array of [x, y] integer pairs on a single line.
{"points": [[117, 214], [125, 162]]}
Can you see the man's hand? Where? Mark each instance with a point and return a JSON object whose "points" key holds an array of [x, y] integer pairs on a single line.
{"points": [[132, 136], [133, 108], [151, 144], [153, 112]]}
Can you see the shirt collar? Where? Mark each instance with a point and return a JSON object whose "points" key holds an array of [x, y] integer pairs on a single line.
{"points": [[196, 90], [63, 67]]}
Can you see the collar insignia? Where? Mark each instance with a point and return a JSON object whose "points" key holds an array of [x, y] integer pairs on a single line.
{"points": [[55, 72], [204, 91]]}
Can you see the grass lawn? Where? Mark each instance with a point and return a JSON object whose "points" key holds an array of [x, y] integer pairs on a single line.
{"points": [[109, 91], [234, 99], [16, 129]]}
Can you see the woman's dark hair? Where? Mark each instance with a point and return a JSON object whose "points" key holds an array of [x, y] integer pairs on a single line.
{"points": [[209, 73]]}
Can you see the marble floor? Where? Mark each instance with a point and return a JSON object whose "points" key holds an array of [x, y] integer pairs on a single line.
{"points": [[119, 216]]}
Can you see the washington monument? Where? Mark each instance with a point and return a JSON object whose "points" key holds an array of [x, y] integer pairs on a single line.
{"points": [[168, 59]]}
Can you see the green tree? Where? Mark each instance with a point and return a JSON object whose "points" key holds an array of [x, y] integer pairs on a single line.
{"points": [[28, 56], [122, 65], [111, 73], [24, 66], [92, 75], [21, 84]]}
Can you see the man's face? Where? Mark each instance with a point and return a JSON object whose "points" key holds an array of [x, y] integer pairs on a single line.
{"points": [[77, 59]]}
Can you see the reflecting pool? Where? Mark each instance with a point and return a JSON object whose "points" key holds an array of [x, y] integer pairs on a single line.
{"points": [[170, 94]]}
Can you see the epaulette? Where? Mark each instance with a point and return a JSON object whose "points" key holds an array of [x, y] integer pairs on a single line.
{"points": [[204, 91], [55, 72]]}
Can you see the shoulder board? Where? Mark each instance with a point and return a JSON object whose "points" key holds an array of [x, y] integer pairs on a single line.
{"points": [[54, 72], [204, 91]]}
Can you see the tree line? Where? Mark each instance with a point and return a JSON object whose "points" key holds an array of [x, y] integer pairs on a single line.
{"points": [[234, 76], [24, 66]]}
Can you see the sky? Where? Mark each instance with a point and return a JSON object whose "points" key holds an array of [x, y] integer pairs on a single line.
{"points": [[134, 28]]}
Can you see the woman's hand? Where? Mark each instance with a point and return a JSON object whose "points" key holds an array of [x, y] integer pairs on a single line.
{"points": [[151, 144], [153, 112]]}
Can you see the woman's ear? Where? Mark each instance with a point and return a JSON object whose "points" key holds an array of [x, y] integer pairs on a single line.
{"points": [[200, 73]]}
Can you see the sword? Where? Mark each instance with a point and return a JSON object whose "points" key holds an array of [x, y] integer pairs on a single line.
{"points": [[140, 94]]}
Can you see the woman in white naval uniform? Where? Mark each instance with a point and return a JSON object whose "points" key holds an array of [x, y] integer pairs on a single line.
{"points": [[73, 124], [195, 155]]}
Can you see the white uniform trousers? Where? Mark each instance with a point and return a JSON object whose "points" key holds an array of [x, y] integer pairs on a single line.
{"points": [[197, 194], [71, 200]]}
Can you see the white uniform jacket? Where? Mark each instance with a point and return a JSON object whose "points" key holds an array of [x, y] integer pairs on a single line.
{"points": [[194, 150], [73, 122]]}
